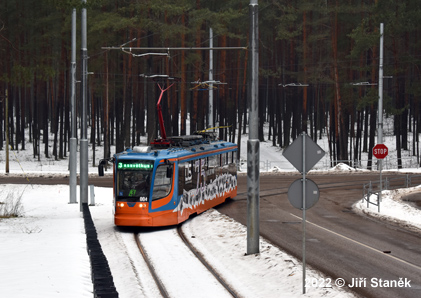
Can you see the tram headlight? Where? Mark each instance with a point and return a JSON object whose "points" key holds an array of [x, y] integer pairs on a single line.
{"points": [[121, 205], [142, 205]]}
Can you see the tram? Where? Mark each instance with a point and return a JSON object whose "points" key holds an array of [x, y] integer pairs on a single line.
{"points": [[173, 178], [165, 186]]}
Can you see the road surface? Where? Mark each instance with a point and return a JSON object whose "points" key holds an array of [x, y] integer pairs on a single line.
{"points": [[339, 242]]}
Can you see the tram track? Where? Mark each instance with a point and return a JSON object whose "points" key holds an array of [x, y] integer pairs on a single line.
{"points": [[284, 190], [204, 262], [151, 268], [189, 263]]}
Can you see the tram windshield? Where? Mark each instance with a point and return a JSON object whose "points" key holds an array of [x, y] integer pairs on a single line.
{"points": [[134, 180]]}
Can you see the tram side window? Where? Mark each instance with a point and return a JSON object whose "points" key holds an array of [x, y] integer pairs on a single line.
{"points": [[162, 183], [232, 167], [224, 159], [185, 174], [212, 168], [213, 161]]}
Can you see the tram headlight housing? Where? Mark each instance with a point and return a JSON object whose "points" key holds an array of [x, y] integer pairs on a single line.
{"points": [[141, 205]]}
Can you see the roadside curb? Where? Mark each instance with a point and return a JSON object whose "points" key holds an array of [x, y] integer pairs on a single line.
{"points": [[102, 278]]}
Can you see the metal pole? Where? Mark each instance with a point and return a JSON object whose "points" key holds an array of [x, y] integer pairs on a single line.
{"points": [[83, 138], [304, 213], [73, 141], [253, 143], [210, 112], [92, 195], [380, 124]]}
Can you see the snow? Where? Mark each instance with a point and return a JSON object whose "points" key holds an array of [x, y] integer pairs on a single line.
{"points": [[272, 273], [394, 208], [166, 250], [43, 251]]}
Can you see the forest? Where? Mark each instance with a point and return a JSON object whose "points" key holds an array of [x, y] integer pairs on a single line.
{"points": [[318, 71]]}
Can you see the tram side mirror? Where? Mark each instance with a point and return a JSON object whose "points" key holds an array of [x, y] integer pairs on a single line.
{"points": [[102, 162], [100, 170], [169, 168]]}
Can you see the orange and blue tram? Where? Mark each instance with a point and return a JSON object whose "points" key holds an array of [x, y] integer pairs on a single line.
{"points": [[164, 184]]}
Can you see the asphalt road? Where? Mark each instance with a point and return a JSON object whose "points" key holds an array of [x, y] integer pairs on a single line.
{"points": [[339, 242]]}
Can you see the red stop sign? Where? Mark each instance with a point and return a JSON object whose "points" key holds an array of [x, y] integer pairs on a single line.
{"points": [[380, 151]]}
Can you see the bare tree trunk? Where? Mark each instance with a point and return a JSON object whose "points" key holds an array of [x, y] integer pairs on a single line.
{"points": [[304, 119], [341, 134], [93, 123], [45, 116], [106, 110], [128, 100], [183, 99], [151, 120]]}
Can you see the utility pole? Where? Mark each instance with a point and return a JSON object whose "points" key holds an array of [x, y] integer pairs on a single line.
{"points": [[73, 141], [253, 143], [84, 111]]}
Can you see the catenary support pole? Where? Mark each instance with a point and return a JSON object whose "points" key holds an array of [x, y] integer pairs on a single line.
{"points": [[84, 111], [304, 212], [253, 143], [73, 141]]}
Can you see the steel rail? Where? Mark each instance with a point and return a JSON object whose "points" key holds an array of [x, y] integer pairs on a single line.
{"points": [[204, 262], [158, 282]]}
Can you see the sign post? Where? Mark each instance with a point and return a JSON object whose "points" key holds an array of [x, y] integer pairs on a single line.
{"points": [[380, 151], [303, 154]]}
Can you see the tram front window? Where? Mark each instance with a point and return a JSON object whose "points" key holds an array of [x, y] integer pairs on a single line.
{"points": [[134, 180]]}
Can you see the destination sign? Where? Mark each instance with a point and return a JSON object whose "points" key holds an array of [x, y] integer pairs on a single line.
{"points": [[137, 165]]}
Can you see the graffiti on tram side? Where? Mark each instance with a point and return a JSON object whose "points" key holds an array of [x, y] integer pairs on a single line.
{"points": [[219, 187]]}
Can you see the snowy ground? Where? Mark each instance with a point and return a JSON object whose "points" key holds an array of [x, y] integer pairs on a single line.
{"points": [[222, 241], [45, 249], [43, 252]]}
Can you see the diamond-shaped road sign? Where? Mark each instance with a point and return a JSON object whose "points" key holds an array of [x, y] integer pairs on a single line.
{"points": [[294, 153]]}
